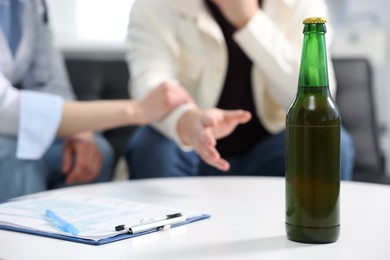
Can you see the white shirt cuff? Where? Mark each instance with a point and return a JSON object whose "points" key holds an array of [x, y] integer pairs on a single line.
{"points": [[168, 125], [40, 117]]}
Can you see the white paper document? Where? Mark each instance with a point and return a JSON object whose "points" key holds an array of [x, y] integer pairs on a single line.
{"points": [[95, 217]]}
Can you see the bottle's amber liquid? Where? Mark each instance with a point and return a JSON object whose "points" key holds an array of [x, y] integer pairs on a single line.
{"points": [[313, 168]]}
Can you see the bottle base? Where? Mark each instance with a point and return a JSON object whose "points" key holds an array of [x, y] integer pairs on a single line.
{"points": [[310, 235]]}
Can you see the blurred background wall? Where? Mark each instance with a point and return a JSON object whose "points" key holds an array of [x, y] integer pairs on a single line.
{"points": [[362, 29]]}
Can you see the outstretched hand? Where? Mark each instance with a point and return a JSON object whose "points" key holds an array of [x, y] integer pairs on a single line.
{"points": [[202, 129]]}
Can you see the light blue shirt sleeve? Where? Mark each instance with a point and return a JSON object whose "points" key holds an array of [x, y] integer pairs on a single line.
{"points": [[40, 117]]}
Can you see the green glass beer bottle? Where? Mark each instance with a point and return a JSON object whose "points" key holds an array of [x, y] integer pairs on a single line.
{"points": [[313, 147]]}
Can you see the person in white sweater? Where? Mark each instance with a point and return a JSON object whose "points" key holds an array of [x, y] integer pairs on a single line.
{"points": [[227, 54]]}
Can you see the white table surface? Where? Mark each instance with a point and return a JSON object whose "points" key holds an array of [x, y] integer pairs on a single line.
{"points": [[247, 222]]}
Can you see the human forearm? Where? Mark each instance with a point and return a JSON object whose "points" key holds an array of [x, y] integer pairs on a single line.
{"points": [[274, 55], [186, 126], [96, 115]]}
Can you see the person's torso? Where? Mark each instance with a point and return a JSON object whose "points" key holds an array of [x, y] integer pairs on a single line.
{"points": [[203, 59], [14, 67], [237, 92]]}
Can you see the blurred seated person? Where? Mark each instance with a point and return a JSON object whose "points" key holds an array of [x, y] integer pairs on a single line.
{"points": [[36, 105], [24, 168], [227, 54]]}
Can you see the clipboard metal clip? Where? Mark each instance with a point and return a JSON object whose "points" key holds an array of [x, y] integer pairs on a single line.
{"points": [[148, 224]]}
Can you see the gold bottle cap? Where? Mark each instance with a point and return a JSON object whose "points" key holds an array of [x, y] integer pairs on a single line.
{"points": [[314, 20]]}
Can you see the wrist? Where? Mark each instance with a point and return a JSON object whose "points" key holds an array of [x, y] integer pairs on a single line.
{"points": [[134, 113], [241, 23], [86, 136], [186, 126]]}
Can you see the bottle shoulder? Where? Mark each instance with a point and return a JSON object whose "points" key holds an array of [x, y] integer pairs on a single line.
{"points": [[313, 109]]}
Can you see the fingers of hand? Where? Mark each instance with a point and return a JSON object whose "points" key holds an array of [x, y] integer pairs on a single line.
{"points": [[210, 118], [216, 162], [237, 116], [67, 158], [211, 156], [205, 147], [88, 162]]}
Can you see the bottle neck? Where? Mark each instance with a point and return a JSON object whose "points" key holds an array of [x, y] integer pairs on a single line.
{"points": [[314, 69]]}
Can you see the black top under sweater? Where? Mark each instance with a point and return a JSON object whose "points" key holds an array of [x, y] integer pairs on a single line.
{"points": [[237, 93]]}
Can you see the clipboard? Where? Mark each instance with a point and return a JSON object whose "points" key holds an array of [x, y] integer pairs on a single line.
{"points": [[27, 216], [99, 242]]}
